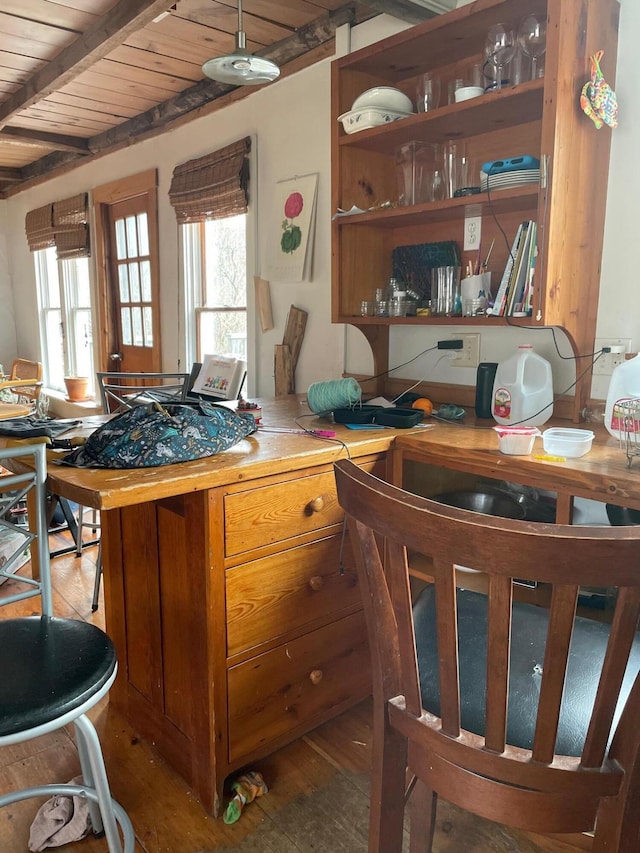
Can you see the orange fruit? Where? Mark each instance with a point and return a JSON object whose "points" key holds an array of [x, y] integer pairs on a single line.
{"points": [[424, 404]]}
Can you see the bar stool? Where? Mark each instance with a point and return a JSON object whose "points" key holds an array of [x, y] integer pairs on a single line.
{"points": [[52, 670]]}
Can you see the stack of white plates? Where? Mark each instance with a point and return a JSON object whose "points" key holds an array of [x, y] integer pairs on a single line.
{"points": [[366, 117], [507, 180]]}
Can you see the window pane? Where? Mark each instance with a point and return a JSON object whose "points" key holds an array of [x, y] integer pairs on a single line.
{"points": [[134, 282], [225, 263], [147, 319], [222, 332], [123, 278], [83, 343], [54, 348], [132, 238], [145, 280], [83, 287], [125, 319], [121, 241], [143, 234], [136, 322]]}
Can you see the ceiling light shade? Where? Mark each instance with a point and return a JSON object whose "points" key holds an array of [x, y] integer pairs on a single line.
{"points": [[241, 68]]}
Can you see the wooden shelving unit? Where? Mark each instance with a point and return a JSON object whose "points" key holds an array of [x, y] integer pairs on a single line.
{"points": [[540, 117]]}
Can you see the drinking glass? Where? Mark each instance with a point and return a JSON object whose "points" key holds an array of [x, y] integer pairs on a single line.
{"points": [[532, 39], [500, 46], [428, 92]]}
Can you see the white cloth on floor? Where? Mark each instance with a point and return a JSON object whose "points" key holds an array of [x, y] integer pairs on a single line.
{"points": [[61, 820]]}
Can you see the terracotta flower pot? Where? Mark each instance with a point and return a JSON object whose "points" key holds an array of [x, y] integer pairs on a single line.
{"points": [[76, 388]]}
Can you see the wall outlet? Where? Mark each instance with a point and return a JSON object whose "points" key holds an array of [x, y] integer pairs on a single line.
{"points": [[472, 233], [608, 361], [469, 355]]}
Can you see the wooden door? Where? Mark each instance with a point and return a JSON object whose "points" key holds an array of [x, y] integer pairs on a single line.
{"points": [[128, 280]]}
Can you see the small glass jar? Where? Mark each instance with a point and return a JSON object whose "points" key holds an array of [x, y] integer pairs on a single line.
{"points": [[367, 308], [398, 304]]}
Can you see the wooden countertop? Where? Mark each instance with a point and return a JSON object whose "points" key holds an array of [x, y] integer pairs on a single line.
{"points": [[261, 454], [602, 474]]}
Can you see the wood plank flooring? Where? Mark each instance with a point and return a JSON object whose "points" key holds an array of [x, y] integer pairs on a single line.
{"points": [[318, 785]]}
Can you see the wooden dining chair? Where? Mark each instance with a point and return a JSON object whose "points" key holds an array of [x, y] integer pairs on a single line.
{"points": [[520, 714], [24, 382]]}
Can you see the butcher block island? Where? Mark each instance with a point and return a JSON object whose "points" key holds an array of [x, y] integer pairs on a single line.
{"points": [[231, 597]]}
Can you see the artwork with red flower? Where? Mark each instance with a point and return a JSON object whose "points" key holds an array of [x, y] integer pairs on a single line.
{"points": [[293, 205]]}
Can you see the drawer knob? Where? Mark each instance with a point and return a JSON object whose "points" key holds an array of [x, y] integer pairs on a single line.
{"points": [[316, 582], [315, 676], [317, 504]]}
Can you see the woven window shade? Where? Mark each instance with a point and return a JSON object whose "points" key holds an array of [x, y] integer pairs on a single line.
{"points": [[71, 228], [214, 186], [38, 225]]}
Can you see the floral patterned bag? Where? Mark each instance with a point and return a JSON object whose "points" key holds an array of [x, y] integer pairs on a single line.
{"points": [[152, 435]]}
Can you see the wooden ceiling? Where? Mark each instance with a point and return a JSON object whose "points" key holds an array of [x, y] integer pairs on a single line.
{"points": [[82, 77]]}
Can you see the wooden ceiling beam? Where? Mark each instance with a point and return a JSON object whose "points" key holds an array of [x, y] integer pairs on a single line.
{"points": [[110, 31], [10, 176], [405, 10], [305, 39], [57, 141]]}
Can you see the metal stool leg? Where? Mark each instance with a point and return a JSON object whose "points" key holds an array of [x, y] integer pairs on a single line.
{"points": [[96, 583]]}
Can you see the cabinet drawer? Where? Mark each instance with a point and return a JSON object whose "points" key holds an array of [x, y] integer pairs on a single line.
{"points": [[281, 511], [297, 685], [280, 595]]}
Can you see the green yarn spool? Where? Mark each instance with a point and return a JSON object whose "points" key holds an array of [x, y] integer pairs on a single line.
{"points": [[324, 397]]}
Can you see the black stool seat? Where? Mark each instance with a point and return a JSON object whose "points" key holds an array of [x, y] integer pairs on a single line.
{"points": [[528, 639], [49, 667]]}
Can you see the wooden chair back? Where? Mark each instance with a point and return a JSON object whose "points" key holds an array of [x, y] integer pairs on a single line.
{"points": [[25, 380], [530, 787]]}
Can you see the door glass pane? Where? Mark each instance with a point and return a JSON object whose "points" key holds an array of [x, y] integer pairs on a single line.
{"points": [[125, 320], [143, 234], [148, 327], [132, 237], [145, 280], [136, 322], [121, 242], [123, 278], [134, 282]]}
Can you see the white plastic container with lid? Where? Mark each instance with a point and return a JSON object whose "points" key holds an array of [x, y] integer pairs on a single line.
{"points": [[624, 385], [523, 389]]}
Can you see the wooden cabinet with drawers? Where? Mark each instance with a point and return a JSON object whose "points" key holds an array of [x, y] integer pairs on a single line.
{"points": [[232, 596]]}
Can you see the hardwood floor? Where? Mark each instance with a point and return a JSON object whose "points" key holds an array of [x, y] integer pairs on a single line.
{"points": [[318, 786]]}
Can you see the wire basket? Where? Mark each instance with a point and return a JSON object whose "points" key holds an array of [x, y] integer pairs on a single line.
{"points": [[626, 419]]}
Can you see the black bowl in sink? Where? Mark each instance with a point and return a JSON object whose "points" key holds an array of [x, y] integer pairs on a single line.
{"points": [[622, 515], [490, 504]]}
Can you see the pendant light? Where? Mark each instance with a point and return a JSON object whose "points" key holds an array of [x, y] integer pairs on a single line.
{"points": [[241, 68]]}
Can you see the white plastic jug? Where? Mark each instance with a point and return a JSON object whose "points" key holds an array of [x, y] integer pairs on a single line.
{"points": [[523, 389], [624, 385]]}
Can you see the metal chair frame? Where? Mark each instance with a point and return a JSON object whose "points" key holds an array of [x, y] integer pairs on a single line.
{"points": [[122, 391]]}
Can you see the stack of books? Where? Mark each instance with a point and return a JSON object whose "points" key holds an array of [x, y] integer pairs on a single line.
{"points": [[514, 296]]}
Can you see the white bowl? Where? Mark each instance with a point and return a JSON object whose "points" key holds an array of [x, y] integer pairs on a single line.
{"points": [[465, 93], [516, 441], [384, 97], [559, 441], [363, 119]]}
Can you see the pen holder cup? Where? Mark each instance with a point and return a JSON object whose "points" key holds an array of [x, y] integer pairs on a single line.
{"points": [[475, 286]]}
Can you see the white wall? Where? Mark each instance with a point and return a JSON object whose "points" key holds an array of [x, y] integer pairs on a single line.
{"points": [[291, 122]]}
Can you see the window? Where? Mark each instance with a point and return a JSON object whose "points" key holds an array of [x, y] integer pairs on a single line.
{"points": [[215, 263], [64, 298]]}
